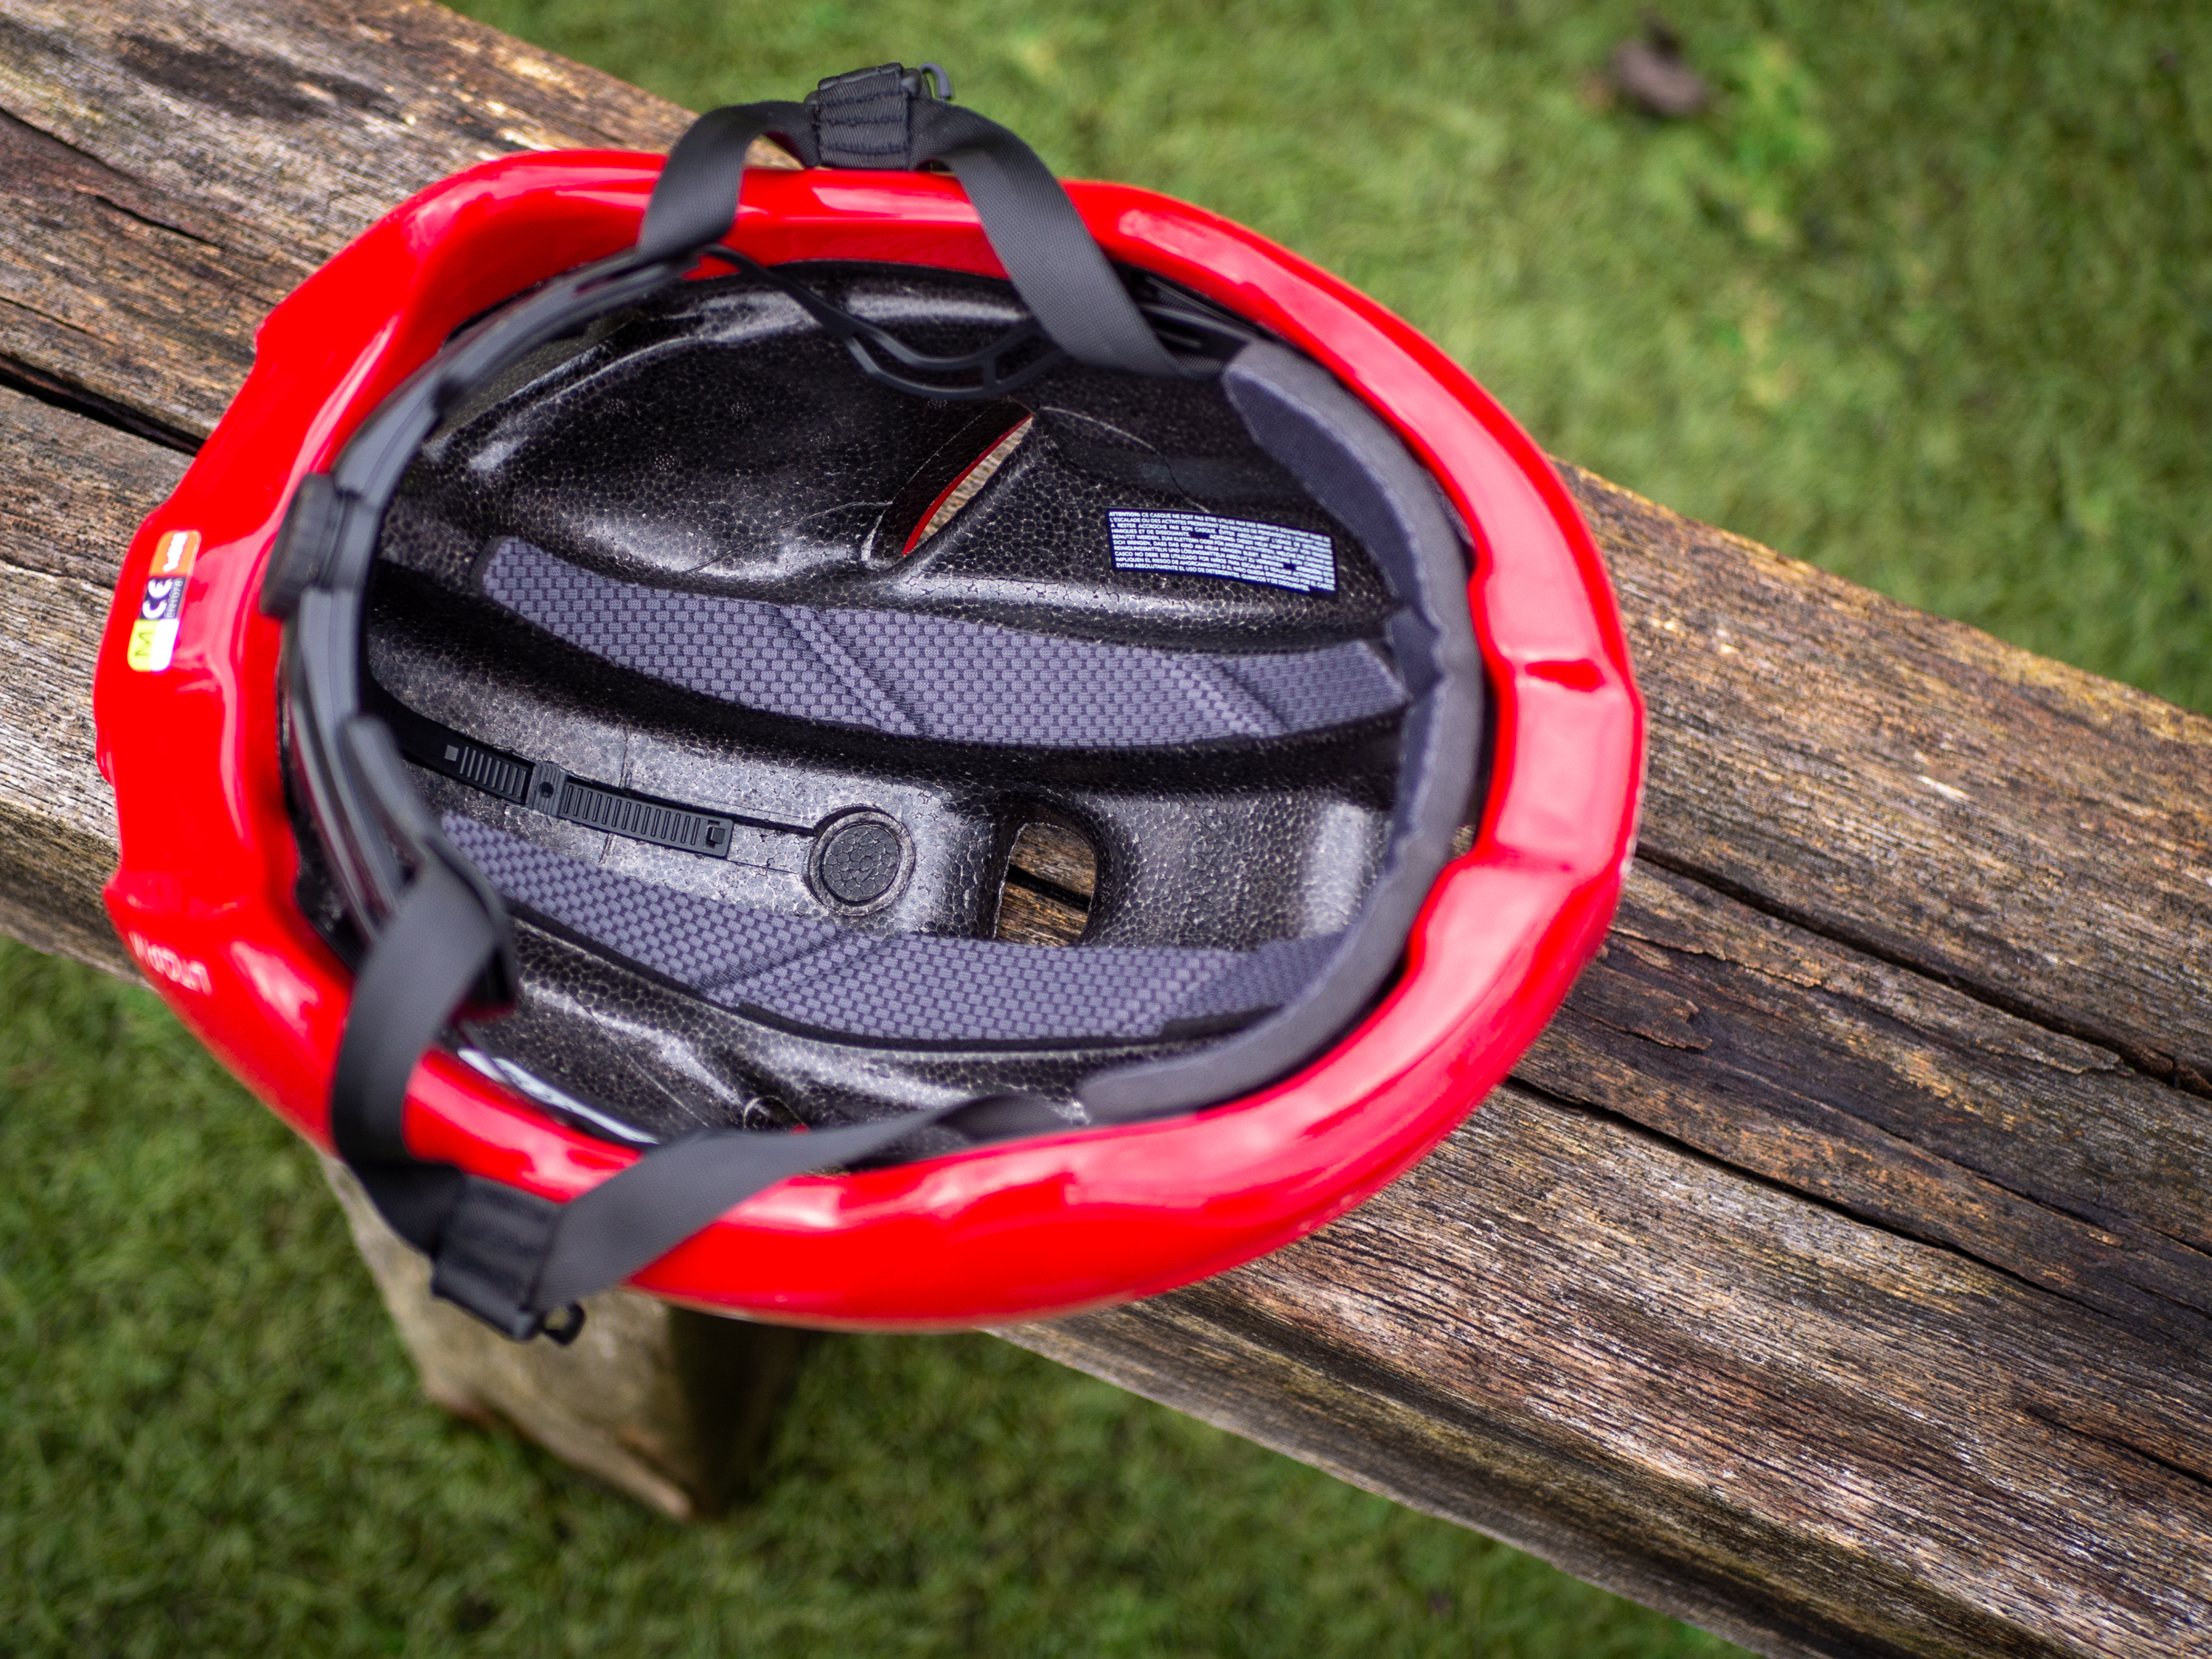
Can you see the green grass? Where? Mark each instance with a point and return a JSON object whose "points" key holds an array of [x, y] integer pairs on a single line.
{"points": [[1926, 298], [210, 1443]]}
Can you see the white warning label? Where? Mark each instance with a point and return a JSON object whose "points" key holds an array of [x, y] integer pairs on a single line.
{"points": [[1199, 544]]}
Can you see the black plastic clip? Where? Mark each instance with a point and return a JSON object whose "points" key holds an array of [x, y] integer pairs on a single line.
{"points": [[570, 1327], [307, 544]]}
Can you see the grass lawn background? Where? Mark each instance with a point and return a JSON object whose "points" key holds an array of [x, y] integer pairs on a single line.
{"points": [[1924, 298]]}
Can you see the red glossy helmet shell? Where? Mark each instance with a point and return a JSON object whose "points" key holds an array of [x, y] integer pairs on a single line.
{"points": [[203, 895]]}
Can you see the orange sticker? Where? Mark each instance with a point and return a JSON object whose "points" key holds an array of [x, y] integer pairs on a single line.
{"points": [[153, 635], [175, 553]]}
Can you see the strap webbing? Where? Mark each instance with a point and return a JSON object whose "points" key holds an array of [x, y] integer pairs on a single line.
{"points": [[509, 1256], [631, 1221], [1047, 252], [875, 118], [433, 951], [695, 201]]}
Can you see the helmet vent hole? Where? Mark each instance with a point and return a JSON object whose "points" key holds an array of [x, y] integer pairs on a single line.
{"points": [[1050, 880], [970, 479]]}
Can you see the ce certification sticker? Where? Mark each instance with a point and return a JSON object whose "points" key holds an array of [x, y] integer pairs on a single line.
{"points": [[153, 635]]}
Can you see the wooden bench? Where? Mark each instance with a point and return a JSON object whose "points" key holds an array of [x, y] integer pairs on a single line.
{"points": [[1837, 1272]]}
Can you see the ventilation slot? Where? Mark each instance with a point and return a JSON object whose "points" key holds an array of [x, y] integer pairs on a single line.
{"points": [[1052, 876], [950, 479]]}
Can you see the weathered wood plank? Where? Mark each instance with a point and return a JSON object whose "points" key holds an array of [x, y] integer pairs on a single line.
{"points": [[1895, 1098], [1925, 1384], [168, 174], [1707, 1393], [70, 493], [1835, 1274], [1911, 786]]}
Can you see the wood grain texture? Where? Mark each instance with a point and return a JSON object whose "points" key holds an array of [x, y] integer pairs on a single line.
{"points": [[2038, 836], [1051, 877], [1835, 1273], [673, 1407], [71, 493], [1710, 1394], [1895, 1098], [168, 174]]}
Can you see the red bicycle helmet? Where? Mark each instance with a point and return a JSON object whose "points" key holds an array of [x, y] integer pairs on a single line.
{"points": [[584, 726]]}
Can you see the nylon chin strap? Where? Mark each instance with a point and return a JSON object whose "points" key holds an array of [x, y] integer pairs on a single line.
{"points": [[439, 939], [881, 118]]}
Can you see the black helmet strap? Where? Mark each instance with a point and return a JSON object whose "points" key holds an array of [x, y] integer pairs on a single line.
{"points": [[884, 117], [519, 1262]]}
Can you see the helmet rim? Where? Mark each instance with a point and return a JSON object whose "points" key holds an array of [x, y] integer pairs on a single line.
{"points": [[1000, 1232]]}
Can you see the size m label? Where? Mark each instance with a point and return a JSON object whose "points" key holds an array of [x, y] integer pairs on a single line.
{"points": [[161, 608], [1200, 544]]}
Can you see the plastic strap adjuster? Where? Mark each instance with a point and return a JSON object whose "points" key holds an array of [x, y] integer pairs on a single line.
{"points": [[860, 118], [306, 543], [864, 119]]}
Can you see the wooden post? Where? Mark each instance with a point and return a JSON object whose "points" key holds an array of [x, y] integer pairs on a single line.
{"points": [[673, 1407]]}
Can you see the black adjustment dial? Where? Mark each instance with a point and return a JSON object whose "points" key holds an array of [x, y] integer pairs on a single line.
{"points": [[861, 860]]}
